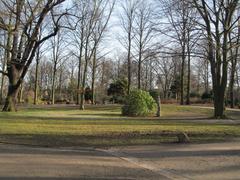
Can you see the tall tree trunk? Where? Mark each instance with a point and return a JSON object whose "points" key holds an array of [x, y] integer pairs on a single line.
{"points": [[183, 61], [36, 78], [79, 80], [207, 76], [151, 76], [234, 60], [198, 82], [140, 62], [53, 83], [231, 85], [60, 82], [14, 70], [3, 81], [237, 80], [158, 106], [79, 70], [93, 75], [219, 74], [2, 88], [182, 76], [71, 82], [20, 94], [82, 107], [129, 65], [146, 76], [6, 59], [139, 72], [183, 45], [189, 70]]}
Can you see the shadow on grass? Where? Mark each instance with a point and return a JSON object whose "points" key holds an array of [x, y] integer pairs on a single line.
{"points": [[117, 120], [233, 114], [64, 107], [98, 114], [109, 120], [108, 139]]}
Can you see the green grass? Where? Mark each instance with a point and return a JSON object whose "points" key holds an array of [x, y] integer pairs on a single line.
{"points": [[104, 126]]}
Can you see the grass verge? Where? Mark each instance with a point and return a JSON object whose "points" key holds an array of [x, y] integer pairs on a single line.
{"points": [[104, 126]]}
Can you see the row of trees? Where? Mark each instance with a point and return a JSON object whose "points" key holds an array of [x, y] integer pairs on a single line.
{"points": [[61, 46], [206, 29]]}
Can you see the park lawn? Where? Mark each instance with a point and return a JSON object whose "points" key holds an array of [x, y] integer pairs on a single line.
{"points": [[104, 126]]}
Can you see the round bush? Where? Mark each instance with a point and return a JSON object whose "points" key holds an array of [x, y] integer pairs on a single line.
{"points": [[139, 103]]}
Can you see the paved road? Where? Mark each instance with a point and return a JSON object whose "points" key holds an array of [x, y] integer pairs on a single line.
{"points": [[173, 161], [26, 163], [187, 161]]}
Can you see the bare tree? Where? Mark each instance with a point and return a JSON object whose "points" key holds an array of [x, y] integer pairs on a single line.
{"points": [[58, 45], [234, 38], [163, 68], [77, 38], [38, 57], [180, 29], [218, 22], [97, 13], [127, 19], [28, 16], [143, 30]]}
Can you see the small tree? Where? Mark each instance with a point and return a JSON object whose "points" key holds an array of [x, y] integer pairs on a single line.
{"points": [[118, 89]]}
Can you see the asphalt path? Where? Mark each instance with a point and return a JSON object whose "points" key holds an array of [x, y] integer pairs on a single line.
{"points": [[218, 161], [33, 163], [167, 161]]}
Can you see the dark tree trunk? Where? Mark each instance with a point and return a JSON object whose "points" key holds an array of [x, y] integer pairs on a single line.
{"points": [[93, 76], [139, 73], [13, 88], [53, 83], [129, 68], [79, 80], [146, 76], [60, 82], [219, 103], [231, 92], [151, 77], [2, 83], [36, 78], [36, 84], [79, 70], [219, 77], [234, 60], [231, 83], [207, 76], [11, 100], [6, 58], [182, 77], [2, 90], [189, 72], [82, 107], [20, 94], [140, 62], [158, 106]]}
